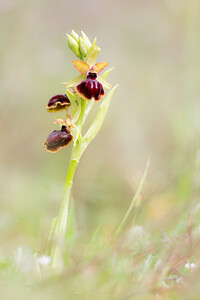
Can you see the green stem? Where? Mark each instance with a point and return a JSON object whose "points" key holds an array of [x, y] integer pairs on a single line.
{"points": [[60, 229], [79, 123]]}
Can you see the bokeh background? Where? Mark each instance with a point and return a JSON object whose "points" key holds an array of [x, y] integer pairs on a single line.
{"points": [[154, 46]]}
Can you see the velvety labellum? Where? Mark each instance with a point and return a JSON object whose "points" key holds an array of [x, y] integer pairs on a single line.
{"points": [[90, 88], [58, 102], [58, 139]]}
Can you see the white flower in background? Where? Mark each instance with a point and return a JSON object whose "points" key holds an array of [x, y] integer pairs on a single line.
{"points": [[190, 266], [44, 260]]}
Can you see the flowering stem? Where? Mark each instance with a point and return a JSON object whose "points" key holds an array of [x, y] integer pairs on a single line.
{"points": [[77, 151], [60, 227]]}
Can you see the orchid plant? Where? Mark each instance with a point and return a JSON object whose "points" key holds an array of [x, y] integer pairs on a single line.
{"points": [[80, 95]]}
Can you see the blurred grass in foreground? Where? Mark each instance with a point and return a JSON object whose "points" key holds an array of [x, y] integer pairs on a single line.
{"points": [[144, 262], [158, 261]]}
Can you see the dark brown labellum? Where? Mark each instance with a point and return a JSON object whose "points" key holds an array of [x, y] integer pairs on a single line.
{"points": [[90, 88], [58, 102], [58, 139]]}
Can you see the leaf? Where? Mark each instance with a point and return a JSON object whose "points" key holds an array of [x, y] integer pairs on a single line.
{"points": [[51, 234], [92, 241], [94, 128], [133, 202], [106, 73], [98, 121], [103, 82]]}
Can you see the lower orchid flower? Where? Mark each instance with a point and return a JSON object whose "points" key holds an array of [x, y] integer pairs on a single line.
{"points": [[58, 139]]}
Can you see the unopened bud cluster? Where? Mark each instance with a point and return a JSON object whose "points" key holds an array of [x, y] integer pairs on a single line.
{"points": [[80, 45]]}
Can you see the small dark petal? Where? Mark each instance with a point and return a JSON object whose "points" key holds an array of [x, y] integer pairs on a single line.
{"points": [[90, 88], [58, 139], [58, 102]]}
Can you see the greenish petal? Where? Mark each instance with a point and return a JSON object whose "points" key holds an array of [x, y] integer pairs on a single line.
{"points": [[74, 82]]}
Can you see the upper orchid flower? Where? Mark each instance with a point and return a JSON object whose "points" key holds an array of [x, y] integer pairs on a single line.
{"points": [[89, 85]]}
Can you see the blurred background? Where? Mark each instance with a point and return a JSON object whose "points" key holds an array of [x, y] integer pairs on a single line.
{"points": [[154, 46]]}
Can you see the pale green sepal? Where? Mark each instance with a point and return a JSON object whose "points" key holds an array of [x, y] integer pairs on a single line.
{"points": [[92, 57], [86, 40], [106, 73], [74, 82], [74, 46], [105, 84], [94, 128], [72, 96], [75, 36], [83, 47]]}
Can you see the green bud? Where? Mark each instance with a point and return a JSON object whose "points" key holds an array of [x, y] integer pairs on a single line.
{"points": [[75, 36], [92, 56], [73, 45], [83, 47], [86, 40]]}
